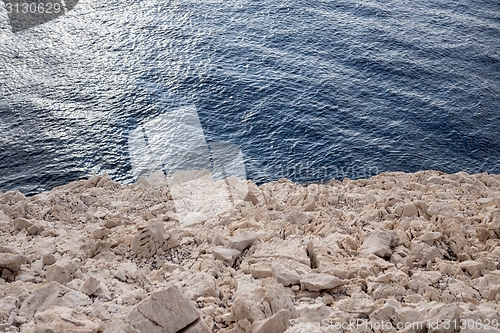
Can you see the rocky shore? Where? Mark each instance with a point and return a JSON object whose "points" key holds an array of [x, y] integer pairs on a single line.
{"points": [[394, 253]]}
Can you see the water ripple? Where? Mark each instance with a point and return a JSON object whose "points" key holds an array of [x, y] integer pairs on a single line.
{"points": [[309, 90]]}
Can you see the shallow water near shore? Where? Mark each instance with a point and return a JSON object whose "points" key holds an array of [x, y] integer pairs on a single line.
{"points": [[307, 90]]}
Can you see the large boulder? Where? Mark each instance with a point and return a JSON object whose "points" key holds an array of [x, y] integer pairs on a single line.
{"points": [[166, 311], [52, 294], [242, 241]]}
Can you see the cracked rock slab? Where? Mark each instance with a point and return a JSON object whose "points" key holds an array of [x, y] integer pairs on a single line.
{"points": [[291, 254], [51, 294], [166, 311]]}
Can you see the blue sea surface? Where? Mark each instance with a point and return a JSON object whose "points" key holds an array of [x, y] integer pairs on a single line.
{"points": [[309, 90]]}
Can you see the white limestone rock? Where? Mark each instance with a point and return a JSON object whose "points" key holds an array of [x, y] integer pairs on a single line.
{"points": [[242, 240], [90, 286], [437, 317], [48, 259], [151, 238], [430, 237], [444, 209], [155, 180], [290, 253], [410, 209], [442, 240], [378, 242], [51, 294], [63, 319], [197, 285], [11, 261], [284, 275], [474, 268], [423, 253], [165, 311], [298, 218], [318, 281], [325, 253], [7, 305], [315, 313], [358, 303], [277, 323], [59, 272], [227, 256], [127, 271]]}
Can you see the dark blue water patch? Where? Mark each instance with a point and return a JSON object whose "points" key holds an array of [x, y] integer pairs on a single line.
{"points": [[308, 90]]}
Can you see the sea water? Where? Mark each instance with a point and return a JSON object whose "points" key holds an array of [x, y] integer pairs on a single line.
{"points": [[307, 90]]}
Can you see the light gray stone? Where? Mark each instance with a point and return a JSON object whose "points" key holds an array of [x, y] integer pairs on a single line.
{"points": [[284, 275], [150, 238], [277, 323], [7, 305], [242, 241], [319, 281], [90, 286], [228, 256], [430, 237], [378, 243], [22, 223], [11, 261], [59, 272], [197, 327], [48, 259], [47, 295], [315, 313], [63, 319], [443, 209], [166, 311]]}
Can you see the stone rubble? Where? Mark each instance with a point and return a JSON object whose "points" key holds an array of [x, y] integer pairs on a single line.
{"points": [[384, 254]]}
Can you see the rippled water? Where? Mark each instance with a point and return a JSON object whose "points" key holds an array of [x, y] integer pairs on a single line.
{"points": [[308, 90]]}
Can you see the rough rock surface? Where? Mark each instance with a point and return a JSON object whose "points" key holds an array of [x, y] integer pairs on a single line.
{"points": [[166, 311], [384, 254]]}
